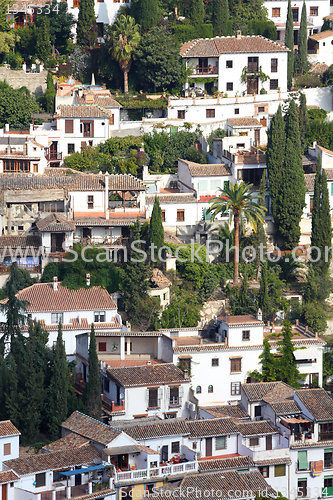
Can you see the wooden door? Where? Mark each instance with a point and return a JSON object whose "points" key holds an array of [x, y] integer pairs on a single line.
{"points": [[257, 137], [4, 492], [209, 447], [268, 442], [164, 453]]}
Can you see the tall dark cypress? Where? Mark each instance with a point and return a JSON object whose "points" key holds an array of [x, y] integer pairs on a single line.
{"points": [[146, 13], [292, 194], [92, 393], [156, 231], [302, 53], [220, 17], [274, 159], [263, 293], [321, 230], [197, 12], [303, 120], [289, 41], [59, 385], [86, 31]]}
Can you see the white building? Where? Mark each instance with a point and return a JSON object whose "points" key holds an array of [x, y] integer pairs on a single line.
{"points": [[320, 47], [237, 65]]}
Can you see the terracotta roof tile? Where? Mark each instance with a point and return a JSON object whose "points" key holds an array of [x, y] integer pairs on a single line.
{"points": [[236, 411], [8, 429], [256, 428], [285, 407], [145, 429], [147, 375], [104, 101], [273, 461], [42, 297], [53, 461], [310, 178], [246, 121], [212, 427], [318, 403], [244, 319], [8, 476], [55, 223], [67, 442], [225, 463], [83, 111], [213, 47], [321, 35], [172, 198], [28, 241], [207, 170], [158, 280], [259, 391], [90, 428]]}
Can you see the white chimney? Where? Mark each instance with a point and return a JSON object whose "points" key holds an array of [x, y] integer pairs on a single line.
{"points": [[55, 283], [6, 127], [259, 315], [239, 34], [88, 279], [107, 215]]}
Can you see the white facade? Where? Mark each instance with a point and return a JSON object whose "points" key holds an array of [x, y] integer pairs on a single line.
{"points": [[320, 48]]}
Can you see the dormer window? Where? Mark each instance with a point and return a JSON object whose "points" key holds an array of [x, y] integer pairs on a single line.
{"points": [[99, 317], [56, 318]]}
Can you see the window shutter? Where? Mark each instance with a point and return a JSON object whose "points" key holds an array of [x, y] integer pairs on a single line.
{"points": [[181, 394], [147, 397], [303, 460], [160, 395], [69, 126], [168, 394]]}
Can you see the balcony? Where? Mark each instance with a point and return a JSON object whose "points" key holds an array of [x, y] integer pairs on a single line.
{"points": [[301, 438], [53, 156], [112, 406], [32, 268], [255, 156], [112, 241], [205, 70], [325, 436], [165, 470], [62, 492]]}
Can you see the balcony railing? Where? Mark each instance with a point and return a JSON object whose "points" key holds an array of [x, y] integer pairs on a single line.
{"points": [[325, 436], [32, 268], [166, 470], [205, 70], [53, 156]]}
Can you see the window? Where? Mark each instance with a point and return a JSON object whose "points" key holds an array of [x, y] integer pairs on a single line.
{"points": [[69, 126], [210, 389], [273, 84], [163, 215], [180, 215], [253, 64], [7, 449], [181, 114], [280, 470], [106, 384], [261, 109], [264, 471], [295, 14], [215, 362], [20, 228], [56, 318], [91, 201], [220, 443], [102, 346], [313, 11], [35, 167], [198, 389], [236, 111], [228, 64], [328, 458], [235, 388], [16, 166], [175, 447], [257, 411], [246, 335], [328, 486], [40, 479], [153, 398], [226, 184], [302, 488], [174, 396], [70, 148], [230, 86], [210, 113], [236, 365], [194, 446], [99, 317], [254, 441], [302, 460], [274, 65], [100, 28], [276, 12]]}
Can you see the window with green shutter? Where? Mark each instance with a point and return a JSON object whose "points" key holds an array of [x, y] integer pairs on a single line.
{"points": [[220, 443], [280, 470], [303, 460], [331, 188]]}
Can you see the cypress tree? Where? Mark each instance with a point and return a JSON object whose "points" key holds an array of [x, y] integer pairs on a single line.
{"points": [[146, 13], [268, 365], [263, 299], [58, 390], [321, 230], [197, 12], [86, 31], [92, 392], [50, 94], [287, 370], [303, 120], [156, 231], [292, 194], [274, 160], [220, 17], [302, 53], [43, 43], [289, 42]]}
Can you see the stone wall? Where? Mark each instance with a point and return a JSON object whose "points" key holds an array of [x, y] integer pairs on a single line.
{"points": [[35, 82]]}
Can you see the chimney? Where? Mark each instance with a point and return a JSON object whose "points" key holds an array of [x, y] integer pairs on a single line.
{"points": [[186, 377], [6, 127], [268, 324], [259, 315], [239, 34], [107, 215], [316, 335], [297, 322], [88, 279], [55, 283]]}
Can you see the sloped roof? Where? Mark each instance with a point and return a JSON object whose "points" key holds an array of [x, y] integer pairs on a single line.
{"points": [[225, 463], [258, 391], [82, 111], [212, 427], [8, 429], [20, 241], [236, 411], [213, 47], [148, 374], [146, 429], [90, 428], [42, 297], [158, 280], [55, 223], [243, 319], [8, 476], [67, 442], [321, 35], [53, 461], [246, 121], [172, 198], [207, 170], [285, 407], [256, 428], [318, 403], [105, 101]]}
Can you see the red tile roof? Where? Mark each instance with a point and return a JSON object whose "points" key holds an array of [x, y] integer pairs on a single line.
{"points": [[244, 319], [207, 170], [213, 47], [8, 429], [146, 375], [90, 428], [83, 111], [8, 476], [67, 442], [318, 402], [228, 462], [42, 297], [244, 122], [321, 35], [261, 390], [55, 223]]}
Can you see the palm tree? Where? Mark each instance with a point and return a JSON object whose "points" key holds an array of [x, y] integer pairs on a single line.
{"points": [[125, 38], [239, 201]]}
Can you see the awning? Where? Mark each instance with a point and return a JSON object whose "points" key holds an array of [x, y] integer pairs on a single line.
{"points": [[305, 354], [82, 471], [122, 450], [293, 420]]}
